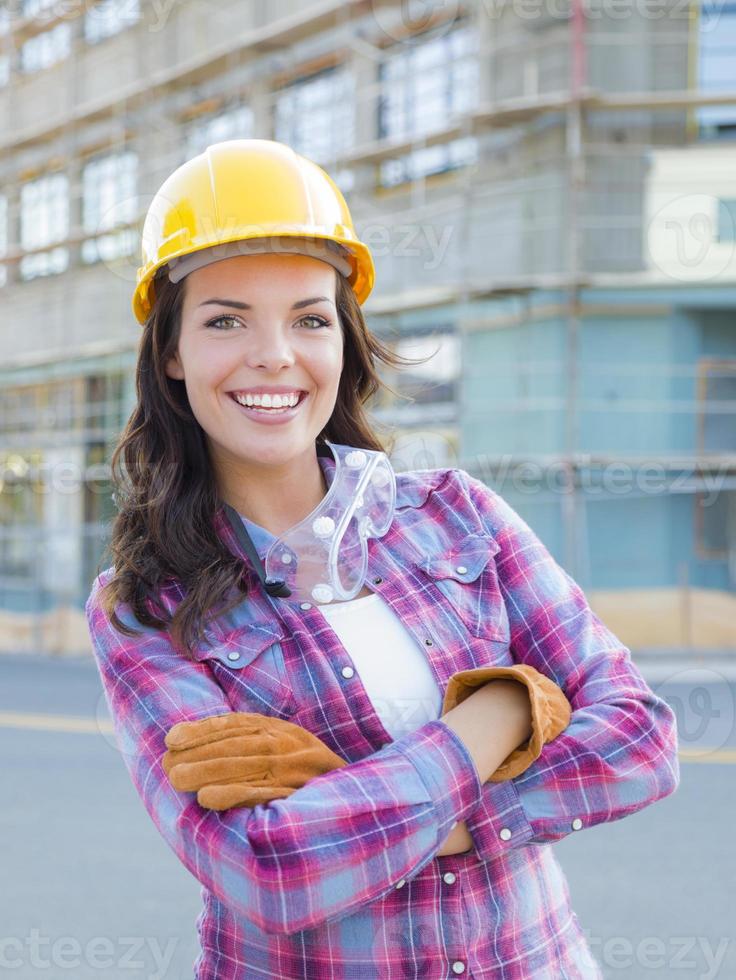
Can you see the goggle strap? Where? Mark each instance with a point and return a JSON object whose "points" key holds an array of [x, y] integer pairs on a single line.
{"points": [[274, 587]]}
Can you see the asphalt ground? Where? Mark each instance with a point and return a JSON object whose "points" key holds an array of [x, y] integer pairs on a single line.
{"points": [[91, 890]]}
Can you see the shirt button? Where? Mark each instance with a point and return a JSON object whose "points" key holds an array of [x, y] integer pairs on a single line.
{"points": [[233, 656], [401, 883], [505, 833], [458, 967], [449, 878], [429, 643], [577, 823], [347, 672], [461, 569], [305, 605], [377, 580]]}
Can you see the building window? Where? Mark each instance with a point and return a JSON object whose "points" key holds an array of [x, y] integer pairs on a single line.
{"points": [[35, 408], [232, 124], [715, 523], [46, 49], [726, 220], [21, 509], [17, 409], [423, 84], [425, 392], [98, 505], [4, 58], [3, 239], [104, 407], [717, 67], [33, 8], [423, 412], [316, 117], [109, 200], [717, 406], [428, 160], [109, 17], [44, 220], [423, 87]]}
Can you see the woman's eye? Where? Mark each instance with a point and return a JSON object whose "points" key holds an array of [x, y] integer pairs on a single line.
{"points": [[221, 319], [320, 321]]}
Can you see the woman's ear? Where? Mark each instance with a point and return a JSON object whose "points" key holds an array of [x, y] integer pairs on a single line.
{"points": [[174, 369]]}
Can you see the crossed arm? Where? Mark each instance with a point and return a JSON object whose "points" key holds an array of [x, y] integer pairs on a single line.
{"points": [[501, 710], [241, 759]]}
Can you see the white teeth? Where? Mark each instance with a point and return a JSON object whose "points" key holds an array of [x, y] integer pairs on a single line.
{"points": [[268, 401]]}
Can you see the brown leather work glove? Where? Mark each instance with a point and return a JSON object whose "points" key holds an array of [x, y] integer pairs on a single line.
{"points": [[242, 758], [551, 711]]}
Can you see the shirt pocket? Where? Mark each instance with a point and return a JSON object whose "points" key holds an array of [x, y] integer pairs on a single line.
{"points": [[248, 664], [465, 574]]}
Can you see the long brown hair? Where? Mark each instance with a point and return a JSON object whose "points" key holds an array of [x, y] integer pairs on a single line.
{"points": [[165, 490]]}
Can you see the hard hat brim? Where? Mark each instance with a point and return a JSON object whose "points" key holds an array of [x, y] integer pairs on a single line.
{"points": [[361, 279]]}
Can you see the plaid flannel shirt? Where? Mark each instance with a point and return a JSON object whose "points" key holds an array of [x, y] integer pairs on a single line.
{"points": [[342, 879]]}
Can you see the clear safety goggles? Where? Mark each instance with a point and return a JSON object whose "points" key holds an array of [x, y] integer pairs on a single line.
{"points": [[325, 556]]}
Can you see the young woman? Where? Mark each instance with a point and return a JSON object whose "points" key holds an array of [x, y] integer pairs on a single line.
{"points": [[359, 705]]}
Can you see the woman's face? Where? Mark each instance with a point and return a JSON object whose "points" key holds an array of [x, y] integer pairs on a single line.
{"points": [[250, 322]]}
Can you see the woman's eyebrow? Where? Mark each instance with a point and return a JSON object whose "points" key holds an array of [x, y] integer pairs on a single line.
{"points": [[236, 304]]}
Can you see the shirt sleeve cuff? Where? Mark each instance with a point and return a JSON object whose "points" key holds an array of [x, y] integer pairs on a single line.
{"points": [[498, 823], [447, 769]]}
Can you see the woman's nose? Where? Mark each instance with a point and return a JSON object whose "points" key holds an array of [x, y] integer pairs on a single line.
{"points": [[272, 352]]}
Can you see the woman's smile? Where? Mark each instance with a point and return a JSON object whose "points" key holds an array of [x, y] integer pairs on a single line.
{"points": [[270, 415]]}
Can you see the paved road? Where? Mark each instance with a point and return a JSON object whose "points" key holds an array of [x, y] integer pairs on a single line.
{"points": [[95, 892]]}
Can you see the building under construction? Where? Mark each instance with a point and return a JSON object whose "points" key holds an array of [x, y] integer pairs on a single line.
{"points": [[549, 192]]}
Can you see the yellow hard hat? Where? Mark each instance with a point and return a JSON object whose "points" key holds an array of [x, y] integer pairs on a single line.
{"points": [[251, 191]]}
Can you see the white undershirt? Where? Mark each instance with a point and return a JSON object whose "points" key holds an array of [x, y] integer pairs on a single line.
{"points": [[391, 665]]}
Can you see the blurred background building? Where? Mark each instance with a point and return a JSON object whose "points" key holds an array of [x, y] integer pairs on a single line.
{"points": [[549, 190]]}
